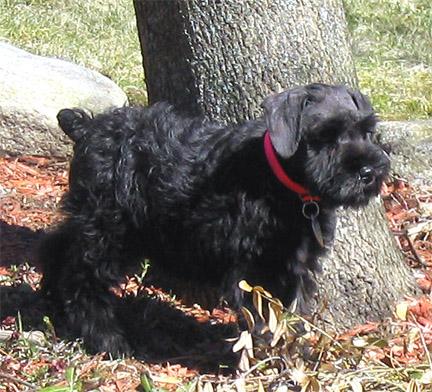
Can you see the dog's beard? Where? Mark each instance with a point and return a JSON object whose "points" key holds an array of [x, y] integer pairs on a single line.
{"points": [[334, 175], [350, 191]]}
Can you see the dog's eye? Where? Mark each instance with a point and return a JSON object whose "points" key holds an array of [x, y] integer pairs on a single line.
{"points": [[327, 136], [369, 133], [354, 98], [330, 136], [307, 102]]}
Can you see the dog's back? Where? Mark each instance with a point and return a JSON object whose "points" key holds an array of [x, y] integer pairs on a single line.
{"points": [[130, 150]]}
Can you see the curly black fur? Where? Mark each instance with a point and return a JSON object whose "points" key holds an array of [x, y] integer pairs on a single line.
{"points": [[201, 202]]}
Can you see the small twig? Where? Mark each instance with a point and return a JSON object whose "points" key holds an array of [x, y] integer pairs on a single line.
{"points": [[320, 331], [384, 369], [425, 348], [257, 365], [425, 226], [318, 362], [196, 357], [400, 200], [414, 252], [17, 380]]}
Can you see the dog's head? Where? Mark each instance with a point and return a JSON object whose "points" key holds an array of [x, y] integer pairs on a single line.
{"points": [[329, 128]]}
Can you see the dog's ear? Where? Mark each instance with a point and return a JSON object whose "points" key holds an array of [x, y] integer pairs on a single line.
{"points": [[282, 115], [72, 122], [361, 101]]}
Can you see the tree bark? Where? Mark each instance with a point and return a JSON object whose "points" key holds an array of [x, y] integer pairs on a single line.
{"points": [[220, 59]]}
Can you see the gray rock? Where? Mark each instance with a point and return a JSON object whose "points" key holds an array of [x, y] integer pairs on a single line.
{"points": [[32, 91], [411, 147]]}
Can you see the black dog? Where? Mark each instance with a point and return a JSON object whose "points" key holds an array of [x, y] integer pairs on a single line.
{"points": [[208, 204]]}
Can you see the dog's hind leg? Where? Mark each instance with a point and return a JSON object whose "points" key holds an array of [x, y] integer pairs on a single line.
{"points": [[82, 261]]}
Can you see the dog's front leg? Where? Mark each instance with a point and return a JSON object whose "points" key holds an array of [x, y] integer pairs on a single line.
{"points": [[90, 314], [81, 267]]}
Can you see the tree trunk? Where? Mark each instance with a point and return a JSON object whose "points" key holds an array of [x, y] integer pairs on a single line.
{"points": [[220, 59]]}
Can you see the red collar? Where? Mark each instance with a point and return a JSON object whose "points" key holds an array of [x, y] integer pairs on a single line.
{"points": [[280, 173]]}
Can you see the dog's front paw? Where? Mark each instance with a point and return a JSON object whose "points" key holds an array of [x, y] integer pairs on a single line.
{"points": [[110, 343]]}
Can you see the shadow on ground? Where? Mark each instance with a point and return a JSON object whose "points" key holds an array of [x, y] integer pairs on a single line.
{"points": [[156, 330], [18, 244]]}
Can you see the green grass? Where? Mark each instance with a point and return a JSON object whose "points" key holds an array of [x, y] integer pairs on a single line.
{"points": [[392, 45], [392, 42], [99, 34]]}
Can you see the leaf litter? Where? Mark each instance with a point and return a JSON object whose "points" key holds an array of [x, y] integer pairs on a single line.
{"points": [[393, 355]]}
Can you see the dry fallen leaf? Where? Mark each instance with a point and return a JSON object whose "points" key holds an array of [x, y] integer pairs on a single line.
{"points": [[402, 310]]}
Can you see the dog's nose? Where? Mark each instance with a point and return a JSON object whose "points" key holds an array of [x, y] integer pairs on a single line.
{"points": [[367, 174]]}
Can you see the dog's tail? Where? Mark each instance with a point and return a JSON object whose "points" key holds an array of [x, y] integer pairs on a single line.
{"points": [[72, 122]]}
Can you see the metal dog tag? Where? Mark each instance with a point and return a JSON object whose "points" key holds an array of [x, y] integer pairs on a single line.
{"points": [[317, 231], [311, 211]]}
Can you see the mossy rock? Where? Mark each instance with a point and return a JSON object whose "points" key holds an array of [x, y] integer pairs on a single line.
{"points": [[411, 148]]}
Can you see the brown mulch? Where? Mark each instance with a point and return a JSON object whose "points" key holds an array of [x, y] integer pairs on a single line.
{"points": [[409, 212], [30, 190]]}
